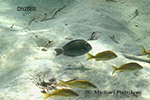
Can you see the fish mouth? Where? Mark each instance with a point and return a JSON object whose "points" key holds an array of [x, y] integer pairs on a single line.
{"points": [[94, 86], [77, 95], [87, 46]]}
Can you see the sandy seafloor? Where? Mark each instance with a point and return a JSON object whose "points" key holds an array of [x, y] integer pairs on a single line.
{"points": [[22, 60]]}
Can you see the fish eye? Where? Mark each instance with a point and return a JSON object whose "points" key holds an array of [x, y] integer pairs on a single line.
{"points": [[87, 46], [73, 93]]}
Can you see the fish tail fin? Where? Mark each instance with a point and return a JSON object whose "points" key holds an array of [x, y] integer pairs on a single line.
{"points": [[90, 56], [47, 95], [58, 51], [114, 69], [62, 82], [143, 50]]}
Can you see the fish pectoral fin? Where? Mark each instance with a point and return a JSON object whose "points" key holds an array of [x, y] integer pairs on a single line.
{"points": [[53, 96], [70, 86], [82, 50], [121, 71], [81, 87]]}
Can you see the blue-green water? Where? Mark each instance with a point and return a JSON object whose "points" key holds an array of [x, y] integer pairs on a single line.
{"points": [[30, 31]]}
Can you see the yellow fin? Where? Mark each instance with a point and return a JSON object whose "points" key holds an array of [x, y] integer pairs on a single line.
{"points": [[81, 87], [143, 50], [96, 60], [70, 86], [62, 82], [121, 71], [90, 56], [148, 56], [53, 96], [114, 69], [46, 95]]}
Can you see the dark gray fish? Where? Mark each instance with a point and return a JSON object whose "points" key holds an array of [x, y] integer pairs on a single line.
{"points": [[74, 48], [81, 68]]}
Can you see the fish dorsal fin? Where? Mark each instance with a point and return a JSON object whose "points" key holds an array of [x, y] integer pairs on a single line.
{"points": [[82, 68], [143, 50], [82, 65], [71, 80], [65, 46]]}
